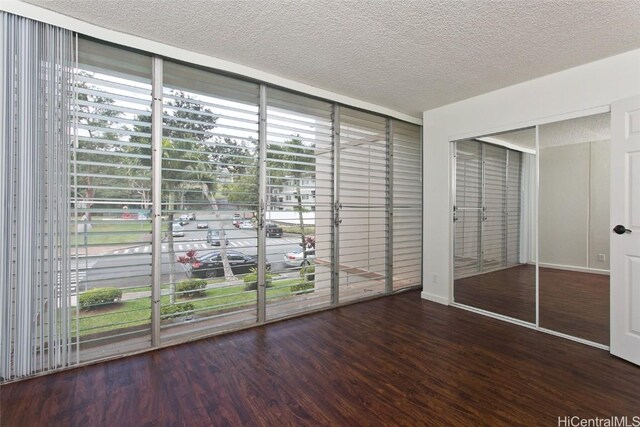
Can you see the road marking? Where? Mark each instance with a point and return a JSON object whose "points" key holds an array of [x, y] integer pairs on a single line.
{"points": [[232, 243]]}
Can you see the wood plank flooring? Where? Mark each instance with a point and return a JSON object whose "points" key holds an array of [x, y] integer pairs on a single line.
{"points": [[510, 292], [397, 360], [573, 303]]}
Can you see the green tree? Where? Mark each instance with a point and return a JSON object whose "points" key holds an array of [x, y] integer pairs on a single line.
{"points": [[291, 162], [98, 141]]}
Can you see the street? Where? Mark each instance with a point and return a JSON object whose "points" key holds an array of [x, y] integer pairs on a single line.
{"points": [[131, 266]]}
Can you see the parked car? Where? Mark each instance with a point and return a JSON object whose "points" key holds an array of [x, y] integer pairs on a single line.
{"points": [[236, 220], [177, 230], [295, 258], [213, 238], [246, 224], [202, 225], [210, 265], [273, 230]]}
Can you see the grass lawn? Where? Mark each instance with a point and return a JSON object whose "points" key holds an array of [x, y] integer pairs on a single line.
{"points": [[115, 232], [138, 312]]}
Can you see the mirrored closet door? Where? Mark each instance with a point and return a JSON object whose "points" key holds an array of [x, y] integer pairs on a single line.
{"points": [[493, 217], [574, 227]]}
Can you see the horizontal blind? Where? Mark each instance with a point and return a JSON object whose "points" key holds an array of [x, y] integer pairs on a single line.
{"points": [[494, 226], [407, 205], [364, 199], [35, 115], [299, 190], [111, 195], [514, 207], [468, 208], [209, 173]]}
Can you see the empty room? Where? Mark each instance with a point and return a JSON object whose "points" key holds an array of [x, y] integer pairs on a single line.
{"points": [[319, 212]]}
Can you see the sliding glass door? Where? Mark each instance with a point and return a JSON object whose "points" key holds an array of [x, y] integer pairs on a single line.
{"points": [[299, 204], [363, 205], [209, 201], [111, 201]]}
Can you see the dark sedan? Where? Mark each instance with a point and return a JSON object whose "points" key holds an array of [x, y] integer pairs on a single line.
{"points": [[210, 265]]}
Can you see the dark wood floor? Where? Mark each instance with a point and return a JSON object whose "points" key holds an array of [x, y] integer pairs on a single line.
{"points": [[398, 360], [573, 303], [510, 292]]}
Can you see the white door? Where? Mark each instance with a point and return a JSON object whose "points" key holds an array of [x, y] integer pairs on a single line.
{"points": [[625, 225]]}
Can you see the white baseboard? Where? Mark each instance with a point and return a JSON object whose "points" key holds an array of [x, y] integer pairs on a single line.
{"points": [[434, 298], [574, 268]]}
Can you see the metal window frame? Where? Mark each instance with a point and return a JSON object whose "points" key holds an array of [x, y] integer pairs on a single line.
{"points": [[335, 276], [390, 166], [156, 197], [262, 196]]}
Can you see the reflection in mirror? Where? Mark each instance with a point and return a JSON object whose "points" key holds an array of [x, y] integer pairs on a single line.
{"points": [[574, 227], [494, 265]]}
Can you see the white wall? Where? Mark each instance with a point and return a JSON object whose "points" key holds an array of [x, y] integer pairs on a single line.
{"points": [[574, 204], [564, 204], [554, 97]]}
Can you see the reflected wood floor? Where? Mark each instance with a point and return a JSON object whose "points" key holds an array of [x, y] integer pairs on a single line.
{"points": [[397, 360], [510, 292], [573, 303]]}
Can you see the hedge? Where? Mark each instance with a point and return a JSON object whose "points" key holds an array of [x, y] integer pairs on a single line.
{"points": [[176, 310], [251, 280], [191, 288], [99, 297], [308, 273]]}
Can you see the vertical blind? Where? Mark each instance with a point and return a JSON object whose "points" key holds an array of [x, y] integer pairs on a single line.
{"points": [[35, 298], [488, 207], [76, 222]]}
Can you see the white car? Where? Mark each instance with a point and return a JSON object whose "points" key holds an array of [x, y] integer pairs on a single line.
{"points": [[295, 258], [202, 225], [177, 230], [246, 225]]}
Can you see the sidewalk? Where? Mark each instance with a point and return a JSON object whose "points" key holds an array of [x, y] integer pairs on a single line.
{"points": [[128, 296]]}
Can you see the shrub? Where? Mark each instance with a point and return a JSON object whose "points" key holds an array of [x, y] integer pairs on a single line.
{"points": [[191, 288], [308, 273], [251, 280], [176, 310], [302, 287], [99, 296]]}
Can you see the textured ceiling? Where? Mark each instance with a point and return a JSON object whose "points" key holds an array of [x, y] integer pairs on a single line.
{"points": [[576, 131], [592, 128], [410, 55]]}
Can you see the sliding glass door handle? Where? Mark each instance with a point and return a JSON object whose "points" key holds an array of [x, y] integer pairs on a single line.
{"points": [[621, 229]]}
